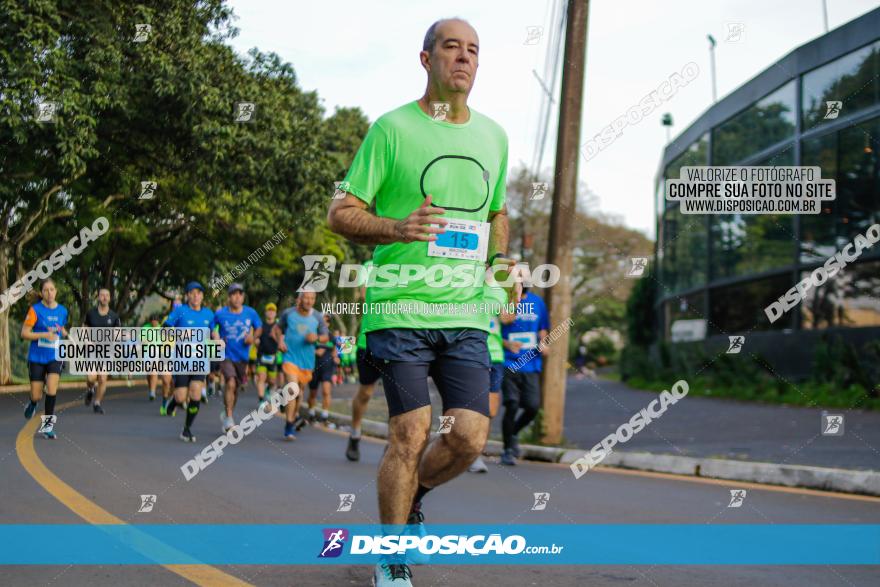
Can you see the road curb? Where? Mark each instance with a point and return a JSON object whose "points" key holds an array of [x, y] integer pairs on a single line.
{"points": [[64, 385], [822, 478]]}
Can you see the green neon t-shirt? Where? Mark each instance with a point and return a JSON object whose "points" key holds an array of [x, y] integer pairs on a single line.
{"points": [[405, 156], [495, 296]]}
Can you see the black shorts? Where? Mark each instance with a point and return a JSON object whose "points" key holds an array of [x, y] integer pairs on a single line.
{"points": [[368, 367], [325, 369], [522, 389], [234, 370], [184, 379], [39, 371], [215, 366], [457, 359], [496, 377]]}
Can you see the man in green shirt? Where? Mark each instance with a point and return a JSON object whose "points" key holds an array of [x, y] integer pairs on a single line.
{"points": [[436, 171]]}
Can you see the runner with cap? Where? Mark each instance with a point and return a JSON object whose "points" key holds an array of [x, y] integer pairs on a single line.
{"points": [[189, 385], [238, 326], [267, 349]]}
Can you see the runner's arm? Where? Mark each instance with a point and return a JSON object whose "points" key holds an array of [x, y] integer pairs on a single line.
{"points": [[499, 232], [350, 218]]}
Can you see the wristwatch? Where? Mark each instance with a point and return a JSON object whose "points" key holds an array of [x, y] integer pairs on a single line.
{"points": [[491, 260]]}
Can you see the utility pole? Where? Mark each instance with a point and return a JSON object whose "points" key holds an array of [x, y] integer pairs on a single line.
{"points": [[559, 250]]}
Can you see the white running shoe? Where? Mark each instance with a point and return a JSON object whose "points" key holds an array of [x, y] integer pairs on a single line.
{"points": [[392, 575], [478, 466]]}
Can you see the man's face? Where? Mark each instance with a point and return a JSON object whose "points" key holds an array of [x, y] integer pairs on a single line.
{"points": [[195, 296], [103, 297], [452, 64], [306, 300], [270, 315], [236, 299]]}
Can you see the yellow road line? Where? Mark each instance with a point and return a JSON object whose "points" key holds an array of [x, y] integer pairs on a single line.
{"points": [[92, 513]]}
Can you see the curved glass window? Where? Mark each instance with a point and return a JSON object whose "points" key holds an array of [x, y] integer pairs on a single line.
{"points": [[765, 123], [850, 83]]}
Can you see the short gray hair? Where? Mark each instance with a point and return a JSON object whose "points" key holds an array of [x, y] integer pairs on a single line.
{"points": [[431, 35]]}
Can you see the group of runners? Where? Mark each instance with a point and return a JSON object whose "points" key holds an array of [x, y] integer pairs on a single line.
{"points": [[293, 347], [427, 187]]}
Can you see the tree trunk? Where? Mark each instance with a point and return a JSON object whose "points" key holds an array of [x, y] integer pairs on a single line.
{"points": [[5, 354]]}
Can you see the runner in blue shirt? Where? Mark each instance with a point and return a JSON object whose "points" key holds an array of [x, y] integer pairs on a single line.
{"points": [[297, 331], [189, 315], [521, 389], [239, 325], [43, 326]]}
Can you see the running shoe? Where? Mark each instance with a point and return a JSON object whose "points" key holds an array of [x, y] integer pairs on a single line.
{"points": [[98, 409], [415, 525], [228, 423], [392, 575], [187, 436], [29, 410], [507, 458], [152, 395], [162, 410], [204, 396], [478, 466], [49, 435], [514, 447], [299, 423], [353, 452], [289, 432], [90, 393], [170, 410]]}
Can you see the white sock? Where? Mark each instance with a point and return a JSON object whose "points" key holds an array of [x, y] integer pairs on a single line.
{"points": [[325, 414], [356, 432]]}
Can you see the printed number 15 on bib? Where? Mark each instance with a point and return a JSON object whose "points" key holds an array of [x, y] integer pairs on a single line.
{"points": [[463, 239]]}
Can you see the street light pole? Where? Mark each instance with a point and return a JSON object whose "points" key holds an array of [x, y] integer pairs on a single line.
{"points": [[712, 66], [825, 14], [666, 121]]}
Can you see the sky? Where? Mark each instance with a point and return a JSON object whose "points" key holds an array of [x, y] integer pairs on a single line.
{"points": [[366, 54]]}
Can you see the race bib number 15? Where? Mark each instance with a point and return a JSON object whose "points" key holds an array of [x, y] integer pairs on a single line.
{"points": [[463, 239]]}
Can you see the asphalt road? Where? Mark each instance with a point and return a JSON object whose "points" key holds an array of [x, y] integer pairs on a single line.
{"points": [[112, 459]]}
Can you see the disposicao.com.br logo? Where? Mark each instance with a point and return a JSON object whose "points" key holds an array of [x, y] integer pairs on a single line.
{"points": [[319, 269], [449, 544]]}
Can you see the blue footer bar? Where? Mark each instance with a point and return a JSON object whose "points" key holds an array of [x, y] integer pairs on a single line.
{"points": [[527, 544]]}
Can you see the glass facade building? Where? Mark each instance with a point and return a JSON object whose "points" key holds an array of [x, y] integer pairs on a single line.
{"points": [[725, 269]]}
